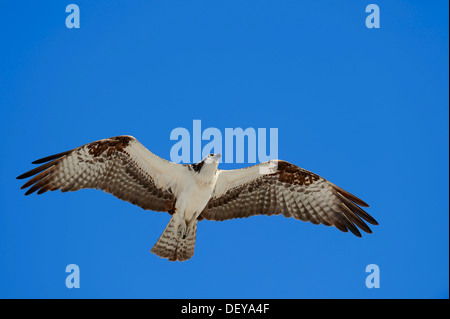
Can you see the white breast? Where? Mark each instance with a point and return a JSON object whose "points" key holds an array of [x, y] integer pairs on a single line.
{"points": [[194, 196]]}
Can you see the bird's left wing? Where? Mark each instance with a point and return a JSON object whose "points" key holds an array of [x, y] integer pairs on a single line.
{"points": [[118, 165], [279, 187]]}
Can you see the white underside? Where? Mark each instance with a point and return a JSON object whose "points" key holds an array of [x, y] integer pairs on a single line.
{"points": [[193, 198]]}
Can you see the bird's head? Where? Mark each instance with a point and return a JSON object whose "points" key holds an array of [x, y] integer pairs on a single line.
{"points": [[208, 164], [212, 159]]}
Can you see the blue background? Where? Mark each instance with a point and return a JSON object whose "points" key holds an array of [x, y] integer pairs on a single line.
{"points": [[365, 108]]}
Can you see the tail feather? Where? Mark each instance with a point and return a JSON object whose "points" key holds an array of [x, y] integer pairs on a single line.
{"points": [[186, 246], [170, 245]]}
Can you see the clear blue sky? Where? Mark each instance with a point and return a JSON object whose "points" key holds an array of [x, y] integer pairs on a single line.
{"points": [[365, 108]]}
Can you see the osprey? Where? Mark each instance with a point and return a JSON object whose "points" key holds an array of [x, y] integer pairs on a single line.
{"points": [[125, 168]]}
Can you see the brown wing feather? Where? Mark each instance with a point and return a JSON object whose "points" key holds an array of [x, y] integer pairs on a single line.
{"points": [[104, 164], [293, 192]]}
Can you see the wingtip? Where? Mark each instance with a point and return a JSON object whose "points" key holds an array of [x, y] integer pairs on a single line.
{"points": [[350, 196], [356, 232], [50, 158], [363, 203]]}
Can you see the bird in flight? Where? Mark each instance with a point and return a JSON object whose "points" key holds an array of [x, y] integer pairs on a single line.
{"points": [[191, 192]]}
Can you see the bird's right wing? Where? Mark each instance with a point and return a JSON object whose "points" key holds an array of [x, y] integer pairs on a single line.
{"points": [[118, 165], [279, 187]]}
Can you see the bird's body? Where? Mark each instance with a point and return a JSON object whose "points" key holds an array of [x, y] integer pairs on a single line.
{"points": [[178, 239], [124, 167], [198, 189]]}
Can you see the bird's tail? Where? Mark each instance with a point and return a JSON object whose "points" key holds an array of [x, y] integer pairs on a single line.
{"points": [[173, 246]]}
